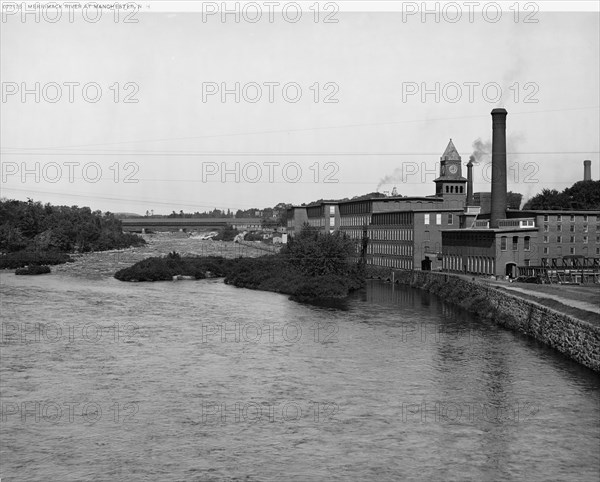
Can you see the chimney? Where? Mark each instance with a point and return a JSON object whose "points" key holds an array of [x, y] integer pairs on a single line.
{"points": [[587, 170], [470, 182], [498, 167]]}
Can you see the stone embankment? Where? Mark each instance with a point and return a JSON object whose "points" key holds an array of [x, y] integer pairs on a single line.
{"points": [[577, 339]]}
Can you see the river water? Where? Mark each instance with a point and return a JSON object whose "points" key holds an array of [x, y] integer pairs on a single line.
{"points": [[103, 380]]}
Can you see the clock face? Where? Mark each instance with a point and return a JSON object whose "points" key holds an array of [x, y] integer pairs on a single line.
{"points": [[453, 169]]}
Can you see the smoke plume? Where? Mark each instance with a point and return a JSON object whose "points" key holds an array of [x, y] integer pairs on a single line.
{"points": [[481, 150], [394, 178]]}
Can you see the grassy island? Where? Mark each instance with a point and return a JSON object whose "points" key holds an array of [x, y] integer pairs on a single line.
{"points": [[312, 266]]}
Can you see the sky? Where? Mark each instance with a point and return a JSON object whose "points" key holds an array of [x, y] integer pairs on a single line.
{"points": [[146, 116]]}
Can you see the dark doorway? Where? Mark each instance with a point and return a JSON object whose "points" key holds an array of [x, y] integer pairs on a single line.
{"points": [[511, 270], [426, 264]]}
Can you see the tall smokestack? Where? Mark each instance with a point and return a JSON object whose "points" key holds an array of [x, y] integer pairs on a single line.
{"points": [[470, 182], [498, 167], [587, 170]]}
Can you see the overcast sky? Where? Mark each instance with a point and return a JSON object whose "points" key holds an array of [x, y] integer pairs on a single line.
{"points": [[370, 66]]}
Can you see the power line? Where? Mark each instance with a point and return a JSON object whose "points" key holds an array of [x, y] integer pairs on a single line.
{"points": [[265, 154], [307, 129], [135, 201]]}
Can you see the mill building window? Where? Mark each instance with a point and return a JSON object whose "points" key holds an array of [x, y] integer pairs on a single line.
{"points": [[559, 239], [559, 218], [450, 219], [515, 243], [503, 243], [545, 217], [527, 243], [545, 228]]}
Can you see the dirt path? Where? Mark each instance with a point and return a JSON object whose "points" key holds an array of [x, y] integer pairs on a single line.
{"points": [[582, 305]]}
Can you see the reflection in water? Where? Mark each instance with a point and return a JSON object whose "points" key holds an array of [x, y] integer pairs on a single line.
{"points": [[208, 382]]}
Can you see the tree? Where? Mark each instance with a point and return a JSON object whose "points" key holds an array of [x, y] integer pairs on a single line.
{"points": [[581, 195], [584, 195], [514, 200], [316, 254]]}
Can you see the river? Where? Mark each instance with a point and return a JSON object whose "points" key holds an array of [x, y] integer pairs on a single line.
{"points": [[104, 380]]}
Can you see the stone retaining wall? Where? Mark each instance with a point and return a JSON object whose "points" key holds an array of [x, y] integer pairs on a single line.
{"points": [[579, 340]]}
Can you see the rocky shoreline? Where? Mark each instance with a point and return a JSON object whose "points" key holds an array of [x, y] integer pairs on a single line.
{"points": [[577, 339]]}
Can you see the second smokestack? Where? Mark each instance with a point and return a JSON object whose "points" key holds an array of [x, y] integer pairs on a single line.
{"points": [[587, 170], [498, 208], [470, 182]]}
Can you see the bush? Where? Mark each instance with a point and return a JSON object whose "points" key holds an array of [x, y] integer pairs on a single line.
{"points": [[29, 258], [35, 269], [227, 234], [164, 268]]}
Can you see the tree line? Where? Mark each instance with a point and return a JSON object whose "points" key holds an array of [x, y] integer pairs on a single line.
{"points": [[32, 230]]}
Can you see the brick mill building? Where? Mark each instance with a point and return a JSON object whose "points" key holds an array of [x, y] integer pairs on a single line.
{"points": [[456, 230]]}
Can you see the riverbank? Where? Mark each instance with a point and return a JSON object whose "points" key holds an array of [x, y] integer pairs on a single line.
{"points": [[577, 338]]}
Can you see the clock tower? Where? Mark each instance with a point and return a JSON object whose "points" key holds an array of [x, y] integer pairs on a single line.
{"points": [[451, 185]]}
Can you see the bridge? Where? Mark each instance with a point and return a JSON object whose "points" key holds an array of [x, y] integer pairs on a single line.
{"points": [[137, 225]]}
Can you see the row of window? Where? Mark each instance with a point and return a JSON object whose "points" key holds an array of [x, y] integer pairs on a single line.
{"points": [[572, 239], [571, 228], [356, 208], [355, 220], [571, 218], [397, 218], [438, 219], [515, 243], [391, 234], [455, 189], [393, 249], [472, 264], [399, 263], [572, 250], [354, 233]]}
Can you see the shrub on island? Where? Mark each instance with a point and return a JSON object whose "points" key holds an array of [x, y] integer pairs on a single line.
{"points": [[34, 269], [20, 259], [164, 268]]}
